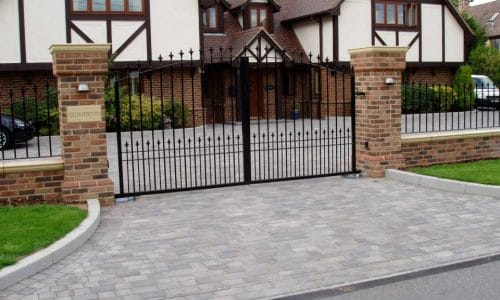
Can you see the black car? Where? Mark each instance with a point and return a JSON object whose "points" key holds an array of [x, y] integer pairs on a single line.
{"points": [[14, 130]]}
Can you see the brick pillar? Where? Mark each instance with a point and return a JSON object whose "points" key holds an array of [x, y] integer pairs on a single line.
{"points": [[82, 121], [378, 108]]}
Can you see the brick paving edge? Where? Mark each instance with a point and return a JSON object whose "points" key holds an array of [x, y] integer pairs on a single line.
{"points": [[43, 259], [444, 184]]}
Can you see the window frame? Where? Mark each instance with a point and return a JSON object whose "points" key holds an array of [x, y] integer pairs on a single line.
{"points": [[108, 10], [219, 26], [259, 7], [408, 6]]}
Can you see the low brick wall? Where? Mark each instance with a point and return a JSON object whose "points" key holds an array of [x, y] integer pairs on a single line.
{"points": [[31, 182], [450, 147]]}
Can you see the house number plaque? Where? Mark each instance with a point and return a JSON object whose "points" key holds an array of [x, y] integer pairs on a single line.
{"points": [[85, 113]]}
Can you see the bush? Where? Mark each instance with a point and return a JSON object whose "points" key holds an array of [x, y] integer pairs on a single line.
{"points": [[486, 60], [463, 87], [42, 113], [427, 99], [418, 99], [146, 111]]}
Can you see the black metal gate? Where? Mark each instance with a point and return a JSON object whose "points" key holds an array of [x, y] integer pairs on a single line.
{"points": [[185, 124]]}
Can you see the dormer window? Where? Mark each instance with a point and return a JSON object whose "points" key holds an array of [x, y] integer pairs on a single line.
{"points": [[108, 6], [259, 17], [212, 19], [394, 13]]}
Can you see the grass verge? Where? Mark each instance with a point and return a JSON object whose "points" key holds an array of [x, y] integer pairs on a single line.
{"points": [[26, 229], [484, 172]]}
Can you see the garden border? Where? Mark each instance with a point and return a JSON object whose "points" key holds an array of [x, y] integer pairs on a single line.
{"points": [[444, 184], [43, 259]]}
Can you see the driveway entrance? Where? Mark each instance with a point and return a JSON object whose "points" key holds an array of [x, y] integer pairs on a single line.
{"points": [[267, 240]]}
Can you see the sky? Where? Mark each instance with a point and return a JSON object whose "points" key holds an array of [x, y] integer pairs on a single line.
{"points": [[477, 2]]}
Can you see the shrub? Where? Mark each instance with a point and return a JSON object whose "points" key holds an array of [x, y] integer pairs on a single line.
{"points": [[418, 99], [427, 99], [486, 60], [463, 86], [144, 112], [43, 113]]}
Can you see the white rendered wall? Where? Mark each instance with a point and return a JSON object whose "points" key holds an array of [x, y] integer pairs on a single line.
{"points": [[389, 37], [431, 33], [174, 27], [328, 38], [45, 25], [454, 38], [405, 38], [95, 30], [137, 50], [121, 31], [308, 34], [10, 52], [355, 29]]}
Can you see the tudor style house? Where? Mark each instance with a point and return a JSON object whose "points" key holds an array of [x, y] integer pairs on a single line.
{"points": [[276, 31]]}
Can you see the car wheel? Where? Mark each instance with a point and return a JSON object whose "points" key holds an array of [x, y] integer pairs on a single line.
{"points": [[5, 140]]}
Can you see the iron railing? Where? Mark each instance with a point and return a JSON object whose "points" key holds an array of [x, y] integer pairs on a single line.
{"points": [[439, 107], [257, 119], [29, 126]]}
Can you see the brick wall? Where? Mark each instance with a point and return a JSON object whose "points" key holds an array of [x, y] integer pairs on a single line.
{"points": [[32, 187], [450, 150], [184, 85], [15, 81], [430, 76]]}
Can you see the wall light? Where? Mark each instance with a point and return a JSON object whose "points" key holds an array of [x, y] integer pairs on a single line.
{"points": [[83, 88], [390, 81]]}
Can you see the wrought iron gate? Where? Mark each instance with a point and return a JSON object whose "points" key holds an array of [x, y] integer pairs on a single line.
{"points": [[184, 125]]}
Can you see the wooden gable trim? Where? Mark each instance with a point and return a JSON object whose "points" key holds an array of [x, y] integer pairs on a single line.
{"points": [[22, 30], [443, 34], [336, 45], [381, 40], [109, 18], [82, 34], [130, 39]]}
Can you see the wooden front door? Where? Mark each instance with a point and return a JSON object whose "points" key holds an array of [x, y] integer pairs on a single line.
{"points": [[256, 94]]}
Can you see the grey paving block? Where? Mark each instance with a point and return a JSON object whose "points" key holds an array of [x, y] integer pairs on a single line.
{"points": [[267, 240]]}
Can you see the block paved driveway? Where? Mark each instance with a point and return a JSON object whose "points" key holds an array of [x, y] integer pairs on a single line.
{"points": [[263, 241]]}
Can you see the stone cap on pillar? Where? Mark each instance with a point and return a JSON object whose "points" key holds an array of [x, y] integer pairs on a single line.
{"points": [[80, 59], [381, 58]]}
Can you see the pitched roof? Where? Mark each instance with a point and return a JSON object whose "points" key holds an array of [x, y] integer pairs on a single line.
{"points": [[300, 9], [234, 37], [237, 3], [484, 13]]}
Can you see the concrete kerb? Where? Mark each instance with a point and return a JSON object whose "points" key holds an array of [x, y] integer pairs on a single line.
{"points": [[444, 184], [43, 259], [392, 278]]}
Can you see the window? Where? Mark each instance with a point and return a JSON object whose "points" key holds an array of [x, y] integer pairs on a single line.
{"points": [[316, 82], [211, 19], [495, 43], [135, 84], [259, 18], [107, 6], [396, 14]]}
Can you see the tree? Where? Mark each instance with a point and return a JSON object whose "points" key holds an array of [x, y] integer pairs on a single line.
{"points": [[486, 60], [479, 32]]}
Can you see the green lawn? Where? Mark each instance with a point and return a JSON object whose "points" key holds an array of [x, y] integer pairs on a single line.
{"points": [[485, 172], [26, 229]]}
